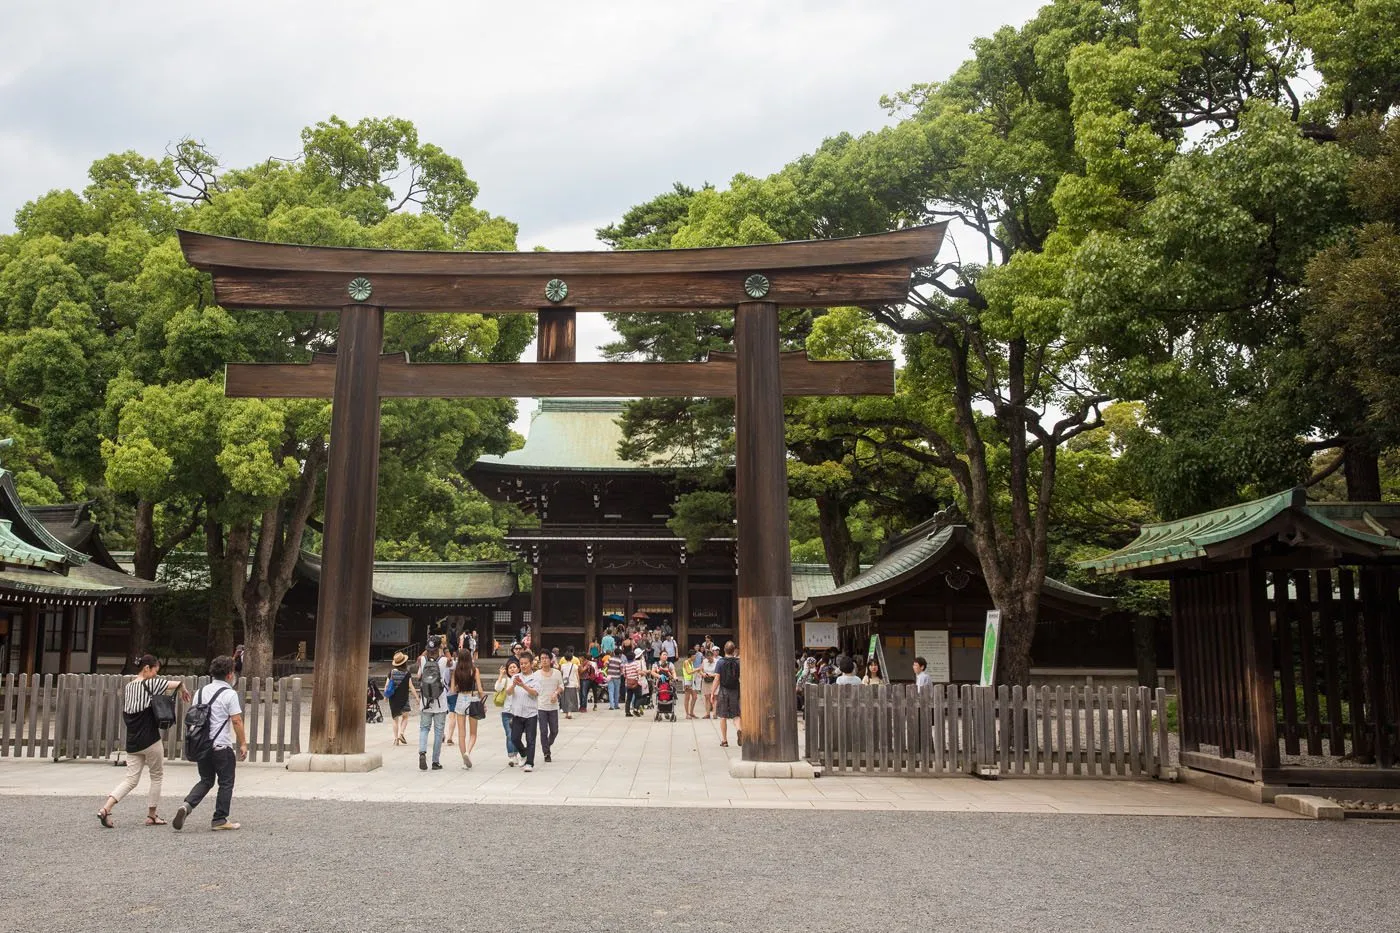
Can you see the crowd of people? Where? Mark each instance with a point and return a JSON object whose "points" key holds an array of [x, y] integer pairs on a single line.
{"points": [[630, 669]]}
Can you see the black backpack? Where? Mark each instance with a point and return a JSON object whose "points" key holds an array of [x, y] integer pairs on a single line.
{"points": [[198, 742], [430, 684], [729, 673]]}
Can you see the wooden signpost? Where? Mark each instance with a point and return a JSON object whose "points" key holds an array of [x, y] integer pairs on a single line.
{"points": [[754, 281]]}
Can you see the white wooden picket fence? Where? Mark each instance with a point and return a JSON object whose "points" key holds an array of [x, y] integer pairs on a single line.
{"points": [[80, 716], [951, 729]]}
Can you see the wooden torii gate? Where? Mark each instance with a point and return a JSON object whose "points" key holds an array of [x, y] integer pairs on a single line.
{"points": [[754, 281]]}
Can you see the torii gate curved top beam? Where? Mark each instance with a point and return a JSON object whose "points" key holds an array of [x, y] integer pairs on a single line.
{"points": [[857, 270]]}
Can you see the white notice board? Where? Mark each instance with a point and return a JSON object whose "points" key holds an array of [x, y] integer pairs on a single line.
{"points": [[820, 635], [932, 646], [388, 630]]}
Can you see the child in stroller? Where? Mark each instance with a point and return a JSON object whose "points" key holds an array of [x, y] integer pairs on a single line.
{"points": [[665, 698], [373, 695]]}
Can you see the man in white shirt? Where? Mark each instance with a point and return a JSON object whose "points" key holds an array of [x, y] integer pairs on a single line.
{"points": [[922, 678], [550, 684], [225, 724], [523, 697], [432, 692]]}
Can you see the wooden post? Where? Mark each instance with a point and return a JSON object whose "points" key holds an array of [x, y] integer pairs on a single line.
{"points": [[1259, 662], [65, 645], [347, 560], [555, 336], [29, 639], [590, 609], [682, 615], [536, 608], [768, 701]]}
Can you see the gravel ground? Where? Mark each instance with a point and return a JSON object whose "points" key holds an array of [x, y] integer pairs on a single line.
{"points": [[299, 866]]}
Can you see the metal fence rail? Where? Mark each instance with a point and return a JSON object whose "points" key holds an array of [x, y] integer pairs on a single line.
{"points": [[1050, 731], [80, 716]]}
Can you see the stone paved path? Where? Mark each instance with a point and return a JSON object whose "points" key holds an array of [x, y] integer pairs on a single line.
{"points": [[341, 866], [604, 759]]}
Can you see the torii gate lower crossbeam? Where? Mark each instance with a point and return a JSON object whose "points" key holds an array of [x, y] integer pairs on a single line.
{"points": [[873, 269]]}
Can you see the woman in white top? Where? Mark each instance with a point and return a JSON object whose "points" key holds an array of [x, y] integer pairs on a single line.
{"points": [[511, 668], [872, 674], [710, 680]]}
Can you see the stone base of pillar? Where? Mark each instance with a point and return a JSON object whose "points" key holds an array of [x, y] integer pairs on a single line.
{"points": [[366, 761], [803, 770]]}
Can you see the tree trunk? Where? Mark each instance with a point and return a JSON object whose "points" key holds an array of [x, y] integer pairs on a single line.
{"points": [[1145, 649], [146, 561], [1361, 464], [842, 552], [1018, 620], [223, 618]]}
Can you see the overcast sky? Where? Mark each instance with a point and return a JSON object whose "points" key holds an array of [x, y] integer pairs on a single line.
{"points": [[565, 113]]}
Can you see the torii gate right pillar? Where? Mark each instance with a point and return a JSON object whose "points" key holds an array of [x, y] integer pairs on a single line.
{"points": [[768, 702]]}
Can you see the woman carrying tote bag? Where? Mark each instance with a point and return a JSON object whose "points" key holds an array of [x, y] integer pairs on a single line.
{"points": [[141, 701]]}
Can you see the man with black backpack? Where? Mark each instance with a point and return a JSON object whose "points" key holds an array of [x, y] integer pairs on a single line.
{"points": [[727, 697], [432, 693], [213, 721]]}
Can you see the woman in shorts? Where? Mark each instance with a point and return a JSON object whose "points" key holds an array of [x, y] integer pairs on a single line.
{"points": [[466, 687], [710, 682]]}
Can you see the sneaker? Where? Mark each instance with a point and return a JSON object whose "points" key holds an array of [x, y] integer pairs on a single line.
{"points": [[510, 759], [437, 766], [546, 757], [466, 760], [226, 824], [422, 761], [529, 768], [179, 821]]}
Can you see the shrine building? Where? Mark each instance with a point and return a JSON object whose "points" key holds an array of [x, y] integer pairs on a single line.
{"points": [[601, 552]]}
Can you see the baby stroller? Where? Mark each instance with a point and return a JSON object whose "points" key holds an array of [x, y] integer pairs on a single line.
{"points": [[372, 697], [665, 699]]}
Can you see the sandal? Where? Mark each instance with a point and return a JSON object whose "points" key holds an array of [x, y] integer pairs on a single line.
{"points": [[154, 820], [724, 745], [104, 816]]}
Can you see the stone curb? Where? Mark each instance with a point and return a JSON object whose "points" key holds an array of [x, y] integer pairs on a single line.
{"points": [[801, 770], [365, 761], [1314, 808]]}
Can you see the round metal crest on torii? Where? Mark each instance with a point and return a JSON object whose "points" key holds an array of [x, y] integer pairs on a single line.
{"points": [[753, 281]]}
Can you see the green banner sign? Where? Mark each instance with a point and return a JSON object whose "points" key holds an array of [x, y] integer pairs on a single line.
{"points": [[991, 640]]}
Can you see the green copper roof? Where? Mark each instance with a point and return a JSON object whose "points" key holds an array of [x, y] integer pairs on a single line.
{"points": [[570, 434], [414, 583], [810, 580], [926, 548], [15, 550], [1358, 529]]}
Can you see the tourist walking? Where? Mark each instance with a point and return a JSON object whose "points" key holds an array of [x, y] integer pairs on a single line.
{"points": [[922, 678], [398, 687], [872, 674], [709, 679], [449, 655], [727, 698], [551, 689], [587, 672], [502, 699], [432, 694], [569, 669], [690, 677], [632, 672], [144, 745], [848, 676], [225, 725], [471, 706], [523, 694], [614, 669]]}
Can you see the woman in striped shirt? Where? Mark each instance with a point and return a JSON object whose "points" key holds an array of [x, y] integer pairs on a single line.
{"points": [[144, 748]]}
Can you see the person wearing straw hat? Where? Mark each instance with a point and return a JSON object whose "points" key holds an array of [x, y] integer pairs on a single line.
{"points": [[398, 688]]}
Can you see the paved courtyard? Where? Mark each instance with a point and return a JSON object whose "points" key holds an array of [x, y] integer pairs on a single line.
{"points": [[338, 865], [605, 759]]}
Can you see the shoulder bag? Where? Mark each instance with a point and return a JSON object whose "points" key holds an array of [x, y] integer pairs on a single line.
{"points": [[162, 707]]}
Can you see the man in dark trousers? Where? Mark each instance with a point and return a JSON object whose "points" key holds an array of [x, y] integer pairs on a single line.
{"points": [[727, 697], [225, 725]]}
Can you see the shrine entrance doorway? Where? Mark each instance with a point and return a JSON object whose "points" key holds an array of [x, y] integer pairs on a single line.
{"points": [[752, 281]]}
